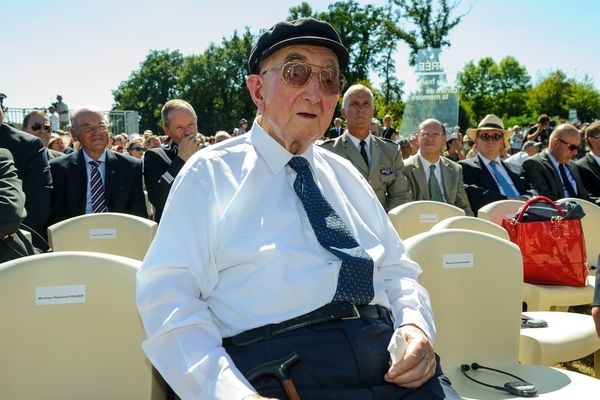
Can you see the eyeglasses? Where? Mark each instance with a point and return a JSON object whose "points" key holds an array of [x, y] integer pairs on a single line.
{"points": [[92, 128], [572, 147], [138, 148], [36, 126], [297, 74], [494, 136], [430, 134]]}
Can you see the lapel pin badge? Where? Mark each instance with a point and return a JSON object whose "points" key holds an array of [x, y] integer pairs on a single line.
{"points": [[387, 170]]}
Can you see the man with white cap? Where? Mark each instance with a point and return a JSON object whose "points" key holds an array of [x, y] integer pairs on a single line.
{"points": [[270, 245], [486, 177], [529, 149]]}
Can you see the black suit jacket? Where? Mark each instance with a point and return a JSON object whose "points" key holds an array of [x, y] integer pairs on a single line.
{"points": [[122, 186], [540, 171], [335, 132], [590, 174], [161, 166], [31, 161], [481, 186]]}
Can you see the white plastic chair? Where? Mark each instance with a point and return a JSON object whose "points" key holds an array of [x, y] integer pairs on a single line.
{"points": [[111, 233], [474, 280], [498, 210], [71, 329], [419, 216], [472, 223], [591, 230]]}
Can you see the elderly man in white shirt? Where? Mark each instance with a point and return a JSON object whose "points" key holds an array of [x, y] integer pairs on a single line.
{"points": [[269, 244]]}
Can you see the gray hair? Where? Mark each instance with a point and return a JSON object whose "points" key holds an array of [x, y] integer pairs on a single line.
{"points": [[84, 110], [355, 89]]}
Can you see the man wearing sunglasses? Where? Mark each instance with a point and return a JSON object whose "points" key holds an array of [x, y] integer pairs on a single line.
{"points": [[486, 177], [31, 161], [552, 172], [37, 123], [270, 245], [378, 160]]}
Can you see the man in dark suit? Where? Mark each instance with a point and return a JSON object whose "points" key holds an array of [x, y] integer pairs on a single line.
{"points": [[431, 176], [552, 172], [337, 129], [378, 160], [486, 177], [95, 179], [589, 166], [162, 164], [13, 243], [30, 159]]}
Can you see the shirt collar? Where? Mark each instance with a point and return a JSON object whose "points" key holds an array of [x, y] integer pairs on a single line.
{"points": [[426, 163], [552, 159], [274, 154], [487, 162], [357, 141], [101, 159], [595, 157]]}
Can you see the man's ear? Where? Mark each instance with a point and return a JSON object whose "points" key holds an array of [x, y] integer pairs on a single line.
{"points": [[255, 85], [343, 111]]}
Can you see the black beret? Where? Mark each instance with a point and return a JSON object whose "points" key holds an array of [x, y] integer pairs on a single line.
{"points": [[303, 30]]}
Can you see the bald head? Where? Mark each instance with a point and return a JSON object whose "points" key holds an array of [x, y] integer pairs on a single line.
{"points": [[564, 142]]}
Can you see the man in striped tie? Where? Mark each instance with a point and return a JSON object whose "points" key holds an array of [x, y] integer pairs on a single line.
{"points": [[95, 179]]}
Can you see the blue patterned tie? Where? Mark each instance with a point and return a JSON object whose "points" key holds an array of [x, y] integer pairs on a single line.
{"points": [[355, 282], [506, 186], [97, 189]]}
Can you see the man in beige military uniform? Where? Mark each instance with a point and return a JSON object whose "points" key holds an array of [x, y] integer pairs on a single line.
{"points": [[378, 160]]}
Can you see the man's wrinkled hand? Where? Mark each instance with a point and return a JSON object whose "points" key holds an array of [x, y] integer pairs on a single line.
{"points": [[418, 364]]}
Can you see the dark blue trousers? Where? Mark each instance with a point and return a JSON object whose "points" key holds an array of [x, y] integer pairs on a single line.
{"points": [[344, 359]]}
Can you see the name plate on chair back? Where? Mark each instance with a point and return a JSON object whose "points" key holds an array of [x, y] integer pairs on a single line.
{"points": [[428, 218], [65, 294], [458, 260], [98, 233]]}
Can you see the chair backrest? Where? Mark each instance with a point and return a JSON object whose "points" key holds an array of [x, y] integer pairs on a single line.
{"points": [[498, 210], [474, 280], [71, 329], [419, 216], [591, 229], [473, 224], [112, 233]]}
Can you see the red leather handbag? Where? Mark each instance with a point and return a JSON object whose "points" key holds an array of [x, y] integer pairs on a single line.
{"points": [[553, 251]]}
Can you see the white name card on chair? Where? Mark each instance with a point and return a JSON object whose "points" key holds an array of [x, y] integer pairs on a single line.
{"points": [[459, 260], [428, 218], [65, 294], [103, 233]]}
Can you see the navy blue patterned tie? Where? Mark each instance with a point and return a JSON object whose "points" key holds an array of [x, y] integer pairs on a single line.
{"points": [[355, 282]]}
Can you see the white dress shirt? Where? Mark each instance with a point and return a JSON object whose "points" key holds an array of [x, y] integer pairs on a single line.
{"points": [[235, 250]]}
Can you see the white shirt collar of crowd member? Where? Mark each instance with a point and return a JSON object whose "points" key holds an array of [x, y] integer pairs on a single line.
{"points": [[597, 158], [101, 159], [357, 141], [426, 165], [555, 163]]}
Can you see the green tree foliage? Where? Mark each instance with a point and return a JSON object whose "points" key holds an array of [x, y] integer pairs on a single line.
{"points": [[149, 87], [430, 27], [214, 83], [487, 87]]}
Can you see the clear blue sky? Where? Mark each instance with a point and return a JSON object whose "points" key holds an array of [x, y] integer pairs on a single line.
{"points": [[84, 49]]}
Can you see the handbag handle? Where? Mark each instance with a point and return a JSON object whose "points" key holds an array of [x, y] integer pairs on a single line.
{"points": [[535, 199]]}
